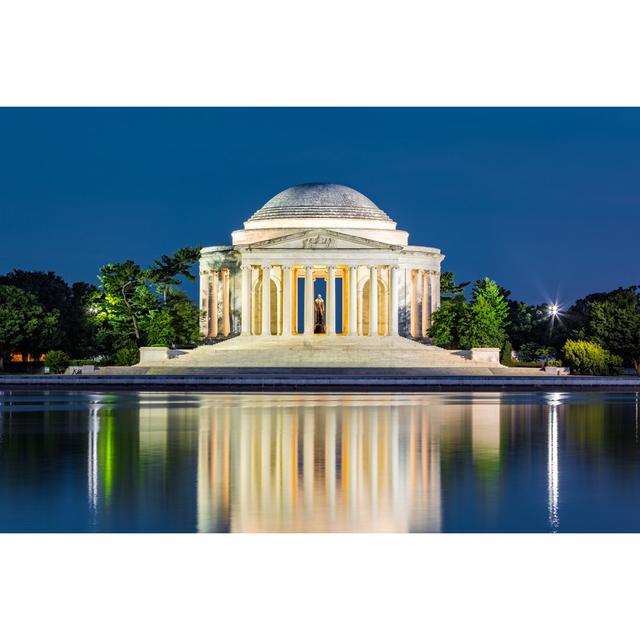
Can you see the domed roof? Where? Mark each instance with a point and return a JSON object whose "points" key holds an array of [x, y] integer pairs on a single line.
{"points": [[320, 200]]}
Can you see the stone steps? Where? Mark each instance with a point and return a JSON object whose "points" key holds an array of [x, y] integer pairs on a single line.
{"points": [[320, 351]]}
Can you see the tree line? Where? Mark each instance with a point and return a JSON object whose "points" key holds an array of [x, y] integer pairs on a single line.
{"points": [[132, 306], [599, 334]]}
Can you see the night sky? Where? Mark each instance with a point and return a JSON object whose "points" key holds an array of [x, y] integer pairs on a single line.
{"points": [[545, 201]]}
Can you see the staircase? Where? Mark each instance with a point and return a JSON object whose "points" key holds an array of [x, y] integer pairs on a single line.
{"points": [[319, 351]]}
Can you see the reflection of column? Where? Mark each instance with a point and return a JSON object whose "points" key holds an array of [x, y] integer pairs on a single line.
{"points": [[331, 303], [353, 301], [307, 461], [393, 311], [246, 300], [373, 301], [330, 461], [286, 301], [266, 300], [226, 312], [308, 301]]}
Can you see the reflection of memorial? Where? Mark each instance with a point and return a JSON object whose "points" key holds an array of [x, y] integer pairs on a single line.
{"points": [[299, 462], [305, 463]]}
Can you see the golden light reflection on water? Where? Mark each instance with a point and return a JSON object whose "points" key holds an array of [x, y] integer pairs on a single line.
{"points": [[321, 463]]}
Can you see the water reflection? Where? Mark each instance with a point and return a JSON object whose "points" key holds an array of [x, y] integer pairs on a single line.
{"points": [[318, 462]]}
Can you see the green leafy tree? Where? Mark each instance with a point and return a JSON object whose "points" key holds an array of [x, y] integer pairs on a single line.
{"points": [[614, 323], [124, 301], [25, 326], [444, 328], [448, 286], [161, 331], [446, 319], [74, 331], [484, 320], [166, 271]]}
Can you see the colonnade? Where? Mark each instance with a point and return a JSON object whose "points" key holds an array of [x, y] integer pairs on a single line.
{"points": [[275, 309], [215, 303], [284, 321]]}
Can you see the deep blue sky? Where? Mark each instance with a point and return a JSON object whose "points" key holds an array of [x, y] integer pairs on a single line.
{"points": [[545, 201]]}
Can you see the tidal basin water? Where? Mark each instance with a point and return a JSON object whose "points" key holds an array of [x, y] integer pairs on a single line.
{"points": [[243, 462]]}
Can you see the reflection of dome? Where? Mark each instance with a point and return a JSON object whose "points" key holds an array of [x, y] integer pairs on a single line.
{"points": [[320, 200]]}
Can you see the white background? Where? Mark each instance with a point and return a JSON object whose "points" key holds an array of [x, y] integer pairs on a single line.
{"points": [[319, 53]]}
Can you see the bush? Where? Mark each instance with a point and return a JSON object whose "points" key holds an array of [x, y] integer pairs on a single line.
{"points": [[554, 363], [57, 361], [532, 351], [505, 354], [81, 363], [126, 356], [590, 359]]}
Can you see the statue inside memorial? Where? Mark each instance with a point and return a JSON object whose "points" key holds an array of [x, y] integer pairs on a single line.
{"points": [[318, 315]]}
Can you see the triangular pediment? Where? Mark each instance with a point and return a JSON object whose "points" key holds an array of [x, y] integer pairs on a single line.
{"points": [[321, 239]]}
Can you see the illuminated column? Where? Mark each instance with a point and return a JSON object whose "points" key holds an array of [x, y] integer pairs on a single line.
{"points": [[246, 301], [393, 305], [353, 301], [226, 311], [331, 303], [308, 301], [204, 303], [266, 300], [435, 301], [413, 277], [426, 278], [286, 301], [419, 303], [361, 311], [373, 301], [213, 304]]}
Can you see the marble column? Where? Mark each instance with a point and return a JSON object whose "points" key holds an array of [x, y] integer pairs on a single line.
{"points": [[419, 303], [426, 309], [373, 301], [331, 303], [204, 303], [213, 304], [393, 306], [436, 289], [286, 301], [413, 319], [353, 301], [246, 301], [308, 301], [226, 306], [266, 300]]}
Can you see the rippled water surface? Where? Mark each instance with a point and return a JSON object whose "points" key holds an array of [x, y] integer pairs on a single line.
{"points": [[158, 461]]}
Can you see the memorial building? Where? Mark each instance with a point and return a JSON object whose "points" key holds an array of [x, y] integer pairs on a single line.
{"points": [[304, 264]]}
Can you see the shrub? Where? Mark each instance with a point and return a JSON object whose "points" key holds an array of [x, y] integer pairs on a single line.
{"points": [[589, 358], [554, 363], [80, 363], [126, 356], [57, 361], [505, 354]]}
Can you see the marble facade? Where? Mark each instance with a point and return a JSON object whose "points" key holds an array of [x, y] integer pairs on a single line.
{"points": [[265, 282]]}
